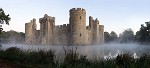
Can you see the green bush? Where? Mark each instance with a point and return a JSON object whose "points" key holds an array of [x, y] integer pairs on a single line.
{"points": [[72, 59]]}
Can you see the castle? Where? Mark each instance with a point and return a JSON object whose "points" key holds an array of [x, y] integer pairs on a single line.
{"points": [[74, 33]]}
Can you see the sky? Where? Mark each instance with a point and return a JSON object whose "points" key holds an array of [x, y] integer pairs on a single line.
{"points": [[115, 15]]}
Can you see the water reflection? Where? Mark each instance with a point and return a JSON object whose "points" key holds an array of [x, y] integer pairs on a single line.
{"points": [[110, 56], [92, 51]]}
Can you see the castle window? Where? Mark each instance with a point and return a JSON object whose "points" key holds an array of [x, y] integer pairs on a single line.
{"points": [[80, 34], [80, 17]]}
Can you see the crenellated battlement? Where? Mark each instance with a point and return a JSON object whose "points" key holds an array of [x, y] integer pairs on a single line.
{"points": [[46, 17], [62, 26], [101, 26], [97, 21], [77, 10], [32, 22], [57, 26]]}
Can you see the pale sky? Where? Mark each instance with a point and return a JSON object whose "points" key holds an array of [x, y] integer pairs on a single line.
{"points": [[115, 15]]}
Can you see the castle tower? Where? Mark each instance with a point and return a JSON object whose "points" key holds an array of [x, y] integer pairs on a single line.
{"points": [[46, 29], [30, 32], [96, 32], [91, 22], [101, 32], [77, 22]]}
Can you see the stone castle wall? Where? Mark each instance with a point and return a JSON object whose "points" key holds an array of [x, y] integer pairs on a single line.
{"points": [[61, 34], [74, 33]]}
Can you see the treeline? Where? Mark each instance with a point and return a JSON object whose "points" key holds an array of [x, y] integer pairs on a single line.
{"points": [[12, 37], [127, 36]]}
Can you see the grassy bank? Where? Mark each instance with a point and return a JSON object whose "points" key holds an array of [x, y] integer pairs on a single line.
{"points": [[47, 59]]}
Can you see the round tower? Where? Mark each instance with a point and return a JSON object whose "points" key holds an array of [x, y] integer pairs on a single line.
{"points": [[77, 22]]}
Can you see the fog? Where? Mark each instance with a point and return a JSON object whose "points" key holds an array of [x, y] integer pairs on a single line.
{"points": [[92, 51]]}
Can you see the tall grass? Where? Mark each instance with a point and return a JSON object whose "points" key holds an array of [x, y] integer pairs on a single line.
{"points": [[72, 59]]}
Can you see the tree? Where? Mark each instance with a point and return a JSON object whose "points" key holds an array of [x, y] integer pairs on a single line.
{"points": [[137, 36], [12, 37], [110, 37], [106, 37], [113, 36], [127, 36], [144, 33], [4, 19]]}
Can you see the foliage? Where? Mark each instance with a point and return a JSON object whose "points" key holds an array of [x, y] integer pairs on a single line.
{"points": [[106, 37], [12, 37], [137, 36], [17, 55], [144, 33], [112, 37], [127, 36], [46, 59], [3, 17]]}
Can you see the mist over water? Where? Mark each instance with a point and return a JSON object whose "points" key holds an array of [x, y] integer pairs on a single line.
{"points": [[126, 48], [92, 51]]}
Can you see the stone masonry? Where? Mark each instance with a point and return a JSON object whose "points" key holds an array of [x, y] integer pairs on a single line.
{"points": [[74, 33]]}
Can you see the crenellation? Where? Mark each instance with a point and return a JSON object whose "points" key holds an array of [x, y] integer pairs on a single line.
{"points": [[64, 25], [61, 26], [68, 24], [57, 26], [77, 10], [74, 33], [90, 21]]}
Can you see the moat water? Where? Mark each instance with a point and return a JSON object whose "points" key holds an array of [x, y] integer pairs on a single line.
{"points": [[92, 51]]}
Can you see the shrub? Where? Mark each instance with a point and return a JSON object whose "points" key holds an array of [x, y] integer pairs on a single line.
{"points": [[72, 59]]}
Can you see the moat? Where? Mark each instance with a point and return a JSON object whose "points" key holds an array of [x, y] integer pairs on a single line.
{"points": [[92, 51]]}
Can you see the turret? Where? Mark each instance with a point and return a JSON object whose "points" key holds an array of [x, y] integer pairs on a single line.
{"points": [[101, 32], [90, 21], [47, 24], [77, 22], [94, 30], [30, 32]]}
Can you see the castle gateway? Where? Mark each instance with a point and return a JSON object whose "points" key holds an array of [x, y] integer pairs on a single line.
{"points": [[74, 33]]}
